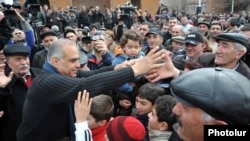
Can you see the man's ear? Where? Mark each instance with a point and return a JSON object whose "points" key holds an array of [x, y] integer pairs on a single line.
{"points": [[55, 61], [240, 53], [102, 122], [220, 122], [163, 126]]}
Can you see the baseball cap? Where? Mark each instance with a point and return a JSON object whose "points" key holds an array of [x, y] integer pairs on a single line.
{"points": [[194, 38]]}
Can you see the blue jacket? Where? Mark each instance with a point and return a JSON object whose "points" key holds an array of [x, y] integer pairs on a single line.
{"points": [[126, 88]]}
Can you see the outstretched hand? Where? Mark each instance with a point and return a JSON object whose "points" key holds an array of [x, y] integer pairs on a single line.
{"points": [[1, 113], [82, 106], [167, 70], [148, 63], [5, 80]]}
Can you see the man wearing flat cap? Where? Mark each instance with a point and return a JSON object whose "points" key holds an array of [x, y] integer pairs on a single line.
{"points": [[154, 38], [222, 98], [231, 48], [206, 96], [15, 81], [39, 58]]}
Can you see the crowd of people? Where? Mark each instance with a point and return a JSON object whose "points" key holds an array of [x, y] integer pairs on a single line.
{"points": [[113, 75]]}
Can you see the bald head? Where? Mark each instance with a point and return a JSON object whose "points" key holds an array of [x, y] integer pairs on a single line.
{"points": [[177, 31]]}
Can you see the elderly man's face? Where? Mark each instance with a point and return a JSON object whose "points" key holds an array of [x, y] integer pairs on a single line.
{"points": [[190, 122], [19, 64], [70, 59], [226, 55], [18, 35], [48, 40]]}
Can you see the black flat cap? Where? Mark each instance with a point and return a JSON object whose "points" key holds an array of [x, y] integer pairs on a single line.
{"points": [[222, 93], [16, 49], [233, 37], [205, 23], [156, 31], [47, 33]]}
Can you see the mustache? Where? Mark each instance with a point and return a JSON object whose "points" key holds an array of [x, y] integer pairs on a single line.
{"points": [[23, 67]]}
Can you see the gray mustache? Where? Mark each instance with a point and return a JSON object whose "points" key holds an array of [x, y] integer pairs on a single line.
{"points": [[23, 67]]}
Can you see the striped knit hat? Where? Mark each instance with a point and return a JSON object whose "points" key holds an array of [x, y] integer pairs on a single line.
{"points": [[125, 128]]}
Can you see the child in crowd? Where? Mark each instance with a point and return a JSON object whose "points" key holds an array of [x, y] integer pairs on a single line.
{"points": [[125, 128], [147, 94], [161, 119], [99, 116], [130, 48]]}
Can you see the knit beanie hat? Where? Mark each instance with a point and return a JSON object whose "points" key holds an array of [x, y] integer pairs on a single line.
{"points": [[125, 128]]}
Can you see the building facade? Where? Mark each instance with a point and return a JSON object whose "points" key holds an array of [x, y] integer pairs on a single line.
{"points": [[146, 5]]}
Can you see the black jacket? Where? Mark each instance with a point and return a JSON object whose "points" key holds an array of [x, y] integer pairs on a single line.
{"points": [[5, 33], [12, 98], [39, 58], [46, 109]]}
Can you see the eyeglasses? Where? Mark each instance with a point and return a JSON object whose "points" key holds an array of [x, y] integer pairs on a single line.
{"points": [[18, 33]]}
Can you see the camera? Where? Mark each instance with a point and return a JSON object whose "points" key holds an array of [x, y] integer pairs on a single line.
{"points": [[8, 10], [34, 9], [128, 7]]}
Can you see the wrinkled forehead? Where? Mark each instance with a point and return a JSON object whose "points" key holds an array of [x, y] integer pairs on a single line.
{"points": [[17, 30]]}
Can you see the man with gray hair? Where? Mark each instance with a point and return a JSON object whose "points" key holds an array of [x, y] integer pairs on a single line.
{"points": [[47, 107]]}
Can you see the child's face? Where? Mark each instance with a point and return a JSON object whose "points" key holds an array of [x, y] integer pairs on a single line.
{"points": [[153, 120], [143, 106], [132, 48]]}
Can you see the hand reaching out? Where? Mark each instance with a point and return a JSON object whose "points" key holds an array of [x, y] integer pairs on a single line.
{"points": [[4, 80], [1, 113], [168, 70], [82, 106]]}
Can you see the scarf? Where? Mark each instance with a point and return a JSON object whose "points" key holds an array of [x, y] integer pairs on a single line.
{"points": [[47, 67], [98, 134]]}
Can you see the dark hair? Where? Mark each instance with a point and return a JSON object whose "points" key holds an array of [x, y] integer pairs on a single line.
{"points": [[150, 25], [232, 21], [163, 108], [216, 23], [102, 108], [150, 92], [132, 35]]}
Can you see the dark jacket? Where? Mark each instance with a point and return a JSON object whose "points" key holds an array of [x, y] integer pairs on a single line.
{"points": [[46, 110], [107, 60], [39, 58], [5, 33], [12, 98]]}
